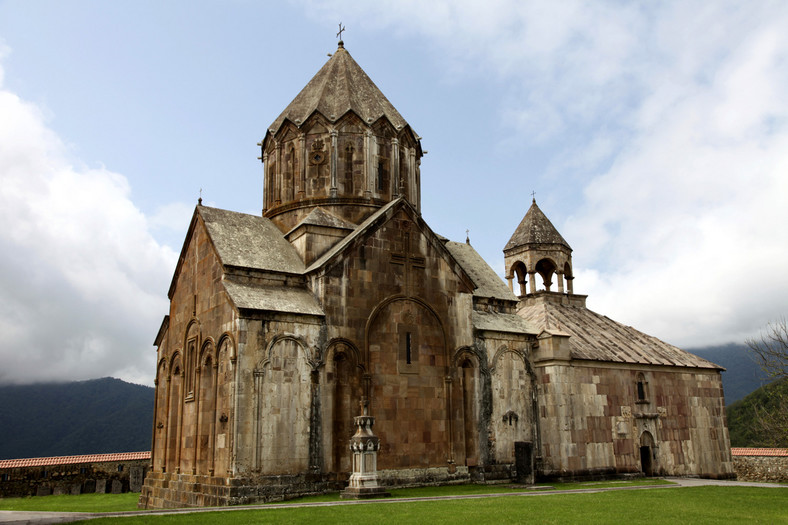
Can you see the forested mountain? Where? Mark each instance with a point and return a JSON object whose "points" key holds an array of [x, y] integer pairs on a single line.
{"points": [[85, 417], [760, 419], [742, 374]]}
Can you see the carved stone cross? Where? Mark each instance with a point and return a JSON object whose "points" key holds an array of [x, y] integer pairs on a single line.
{"points": [[408, 260]]}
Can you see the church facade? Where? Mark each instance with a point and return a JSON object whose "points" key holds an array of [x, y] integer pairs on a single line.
{"points": [[339, 298]]}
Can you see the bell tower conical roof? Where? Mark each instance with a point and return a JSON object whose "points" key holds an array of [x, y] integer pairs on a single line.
{"points": [[537, 249], [535, 228], [340, 145]]}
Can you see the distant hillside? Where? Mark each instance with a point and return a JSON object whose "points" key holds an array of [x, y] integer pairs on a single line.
{"points": [[742, 374], [742, 424], [85, 417]]}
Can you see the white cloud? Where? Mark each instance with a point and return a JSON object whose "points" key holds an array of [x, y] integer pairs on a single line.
{"points": [[81, 278]]}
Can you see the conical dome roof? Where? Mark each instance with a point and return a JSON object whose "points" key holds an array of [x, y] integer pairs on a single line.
{"points": [[535, 228], [340, 86]]}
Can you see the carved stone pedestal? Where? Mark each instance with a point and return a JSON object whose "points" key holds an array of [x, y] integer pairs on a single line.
{"points": [[365, 446]]}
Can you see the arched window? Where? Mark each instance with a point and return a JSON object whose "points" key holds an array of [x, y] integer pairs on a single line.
{"points": [[546, 268], [642, 389]]}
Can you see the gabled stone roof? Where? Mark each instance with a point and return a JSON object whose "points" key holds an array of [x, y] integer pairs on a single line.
{"points": [[487, 282], [501, 322], [320, 217], [596, 337], [263, 298], [249, 241], [340, 86], [358, 232], [535, 228]]}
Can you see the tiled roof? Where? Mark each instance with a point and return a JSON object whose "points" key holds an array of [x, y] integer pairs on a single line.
{"points": [[781, 452], [596, 337], [487, 282], [73, 460]]}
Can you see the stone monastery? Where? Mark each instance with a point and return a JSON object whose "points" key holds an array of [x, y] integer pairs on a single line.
{"points": [[340, 299]]}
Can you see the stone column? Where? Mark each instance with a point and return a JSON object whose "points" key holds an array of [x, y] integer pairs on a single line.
{"points": [[364, 445], [278, 176], [569, 280], [302, 166], [532, 281], [333, 159], [560, 278], [369, 181], [395, 174], [266, 183]]}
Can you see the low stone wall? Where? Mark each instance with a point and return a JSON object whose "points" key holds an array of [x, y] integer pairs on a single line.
{"points": [[761, 464], [99, 473]]}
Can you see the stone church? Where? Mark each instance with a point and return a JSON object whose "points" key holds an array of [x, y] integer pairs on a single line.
{"points": [[339, 296]]}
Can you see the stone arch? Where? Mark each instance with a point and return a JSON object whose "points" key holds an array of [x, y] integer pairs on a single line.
{"points": [[341, 393], [191, 345], [207, 350], [160, 417], [283, 400], [647, 453], [513, 412], [223, 413], [467, 365], [205, 406], [569, 277], [385, 303], [641, 388], [174, 413], [411, 391], [519, 270], [297, 339], [546, 267]]}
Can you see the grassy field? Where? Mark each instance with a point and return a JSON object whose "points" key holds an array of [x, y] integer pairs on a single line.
{"points": [[710, 504], [67, 503], [128, 502]]}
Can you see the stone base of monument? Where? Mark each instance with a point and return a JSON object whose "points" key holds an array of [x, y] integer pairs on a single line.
{"points": [[364, 487], [365, 446]]}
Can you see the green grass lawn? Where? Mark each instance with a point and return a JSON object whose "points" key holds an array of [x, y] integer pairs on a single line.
{"points": [[711, 505], [67, 503], [128, 502], [671, 505]]}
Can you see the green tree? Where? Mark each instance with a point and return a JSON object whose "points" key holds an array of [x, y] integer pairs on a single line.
{"points": [[771, 353]]}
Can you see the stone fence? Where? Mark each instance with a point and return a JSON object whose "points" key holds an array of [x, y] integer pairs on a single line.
{"points": [[761, 464], [101, 473]]}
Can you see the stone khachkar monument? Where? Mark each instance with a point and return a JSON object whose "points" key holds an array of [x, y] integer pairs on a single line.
{"points": [[280, 323], [364, 445]]}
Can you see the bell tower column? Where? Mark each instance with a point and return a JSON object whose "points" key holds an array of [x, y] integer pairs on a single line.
{"points": [[333, 158]]}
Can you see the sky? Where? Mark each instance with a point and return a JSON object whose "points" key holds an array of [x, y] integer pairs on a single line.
{"points": [[654, 136]]}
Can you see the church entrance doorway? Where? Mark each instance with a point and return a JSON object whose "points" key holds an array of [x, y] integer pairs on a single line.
{"points": [[646, 453], [523, 461]]}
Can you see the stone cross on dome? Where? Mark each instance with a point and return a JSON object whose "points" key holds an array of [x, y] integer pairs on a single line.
{"points": [[339, 34]]}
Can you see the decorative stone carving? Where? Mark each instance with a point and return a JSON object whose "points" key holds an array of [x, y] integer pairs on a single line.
{"points": [[364, 445]]}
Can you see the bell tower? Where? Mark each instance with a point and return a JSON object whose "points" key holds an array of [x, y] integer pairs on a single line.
{"points": [[537, 249], [340, 145]]}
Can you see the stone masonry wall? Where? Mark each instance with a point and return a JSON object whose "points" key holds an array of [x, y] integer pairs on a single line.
{"points": [[74, 478], [761, 468], [593, 422]]}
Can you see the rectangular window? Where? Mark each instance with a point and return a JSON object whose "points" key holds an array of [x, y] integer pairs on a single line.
{"points": [[408, 352]]}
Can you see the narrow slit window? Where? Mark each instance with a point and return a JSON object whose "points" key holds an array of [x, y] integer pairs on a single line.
{"points": [[408, 351]]}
